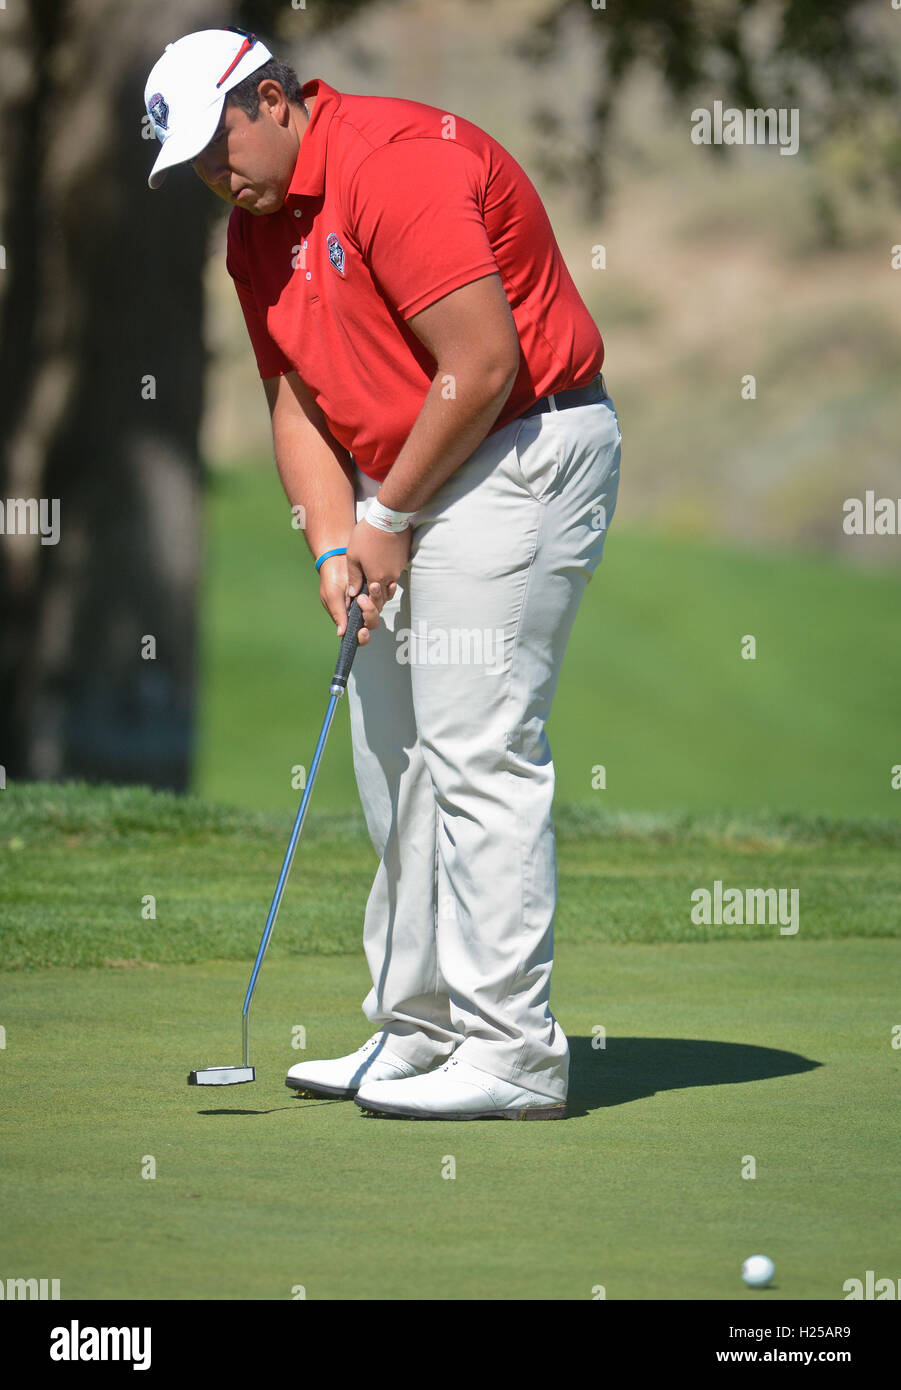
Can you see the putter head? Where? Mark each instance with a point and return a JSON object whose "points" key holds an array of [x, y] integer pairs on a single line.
{"points": [[221, 1076]]}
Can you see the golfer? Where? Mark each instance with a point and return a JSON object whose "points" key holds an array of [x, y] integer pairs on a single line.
{"points": [[438, 412]]}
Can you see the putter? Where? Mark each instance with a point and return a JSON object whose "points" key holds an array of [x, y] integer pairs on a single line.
{"points": [[234, 1076]]}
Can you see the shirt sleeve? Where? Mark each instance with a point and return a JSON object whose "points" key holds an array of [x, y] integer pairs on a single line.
{"points": [[416, 211], [271, 361]]}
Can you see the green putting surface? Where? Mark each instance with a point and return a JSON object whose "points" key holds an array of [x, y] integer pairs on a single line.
{"points": [[777, 1049]]}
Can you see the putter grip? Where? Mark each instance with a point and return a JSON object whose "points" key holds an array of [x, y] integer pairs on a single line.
{"points": [[348, 649]]}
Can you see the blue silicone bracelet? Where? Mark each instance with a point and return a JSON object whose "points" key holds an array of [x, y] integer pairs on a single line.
{"points": [[342, 550]]}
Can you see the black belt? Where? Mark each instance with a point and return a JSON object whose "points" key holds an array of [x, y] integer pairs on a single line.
{"points": [[565, 400]]}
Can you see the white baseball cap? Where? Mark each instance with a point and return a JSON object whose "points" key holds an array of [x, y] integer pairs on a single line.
{"points": [[186, 90]]}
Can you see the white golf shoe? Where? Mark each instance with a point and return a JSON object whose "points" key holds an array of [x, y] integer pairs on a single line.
{"points": [[456, 1091], [341, 1077]]}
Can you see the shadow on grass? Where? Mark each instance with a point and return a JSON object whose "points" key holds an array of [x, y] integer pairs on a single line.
{"points": [[628, 1069], [244, 1112], [273, 1111]]}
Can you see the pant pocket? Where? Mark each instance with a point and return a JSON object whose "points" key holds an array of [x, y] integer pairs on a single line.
{"points": [[536, 456]]}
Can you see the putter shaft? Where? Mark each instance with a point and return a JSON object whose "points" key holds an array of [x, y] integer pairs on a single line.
{"points": [[346, 654], [335, 695]]}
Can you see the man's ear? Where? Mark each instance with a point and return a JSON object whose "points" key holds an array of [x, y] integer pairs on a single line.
{"points": [[274, 101]]}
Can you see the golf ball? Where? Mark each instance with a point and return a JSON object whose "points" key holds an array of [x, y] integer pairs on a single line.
{"points": [[757, 1271]]}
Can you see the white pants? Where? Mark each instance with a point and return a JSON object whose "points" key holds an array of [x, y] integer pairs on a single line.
{"points": [[448, 706]]}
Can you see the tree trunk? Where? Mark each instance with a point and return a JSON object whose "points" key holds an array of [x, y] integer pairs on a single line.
{"points": [[101, 364]]}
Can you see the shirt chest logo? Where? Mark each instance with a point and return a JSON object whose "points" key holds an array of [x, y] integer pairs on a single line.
{"points": [[335, 252]]}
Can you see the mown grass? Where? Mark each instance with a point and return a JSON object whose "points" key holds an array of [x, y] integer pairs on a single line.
{"points": [[780, 1050], [653, 689]]}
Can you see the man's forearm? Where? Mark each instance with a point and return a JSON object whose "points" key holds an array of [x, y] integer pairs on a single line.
{"points": [[317, 480], [445, 433]]}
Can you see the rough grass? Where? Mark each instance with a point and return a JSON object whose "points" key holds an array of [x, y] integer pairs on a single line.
{"points": [[113, 876]]}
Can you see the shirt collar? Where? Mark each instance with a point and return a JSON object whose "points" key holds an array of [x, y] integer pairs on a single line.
{"points": [[308, 179]]}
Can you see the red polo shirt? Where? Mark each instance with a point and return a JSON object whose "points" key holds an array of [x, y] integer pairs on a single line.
{"points": [[392, 206]]}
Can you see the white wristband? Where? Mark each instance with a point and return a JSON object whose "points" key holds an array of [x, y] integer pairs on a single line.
{"points": [[385, 518]]}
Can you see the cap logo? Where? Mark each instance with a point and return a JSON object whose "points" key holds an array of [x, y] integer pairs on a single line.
{"points": [[158, 108], [335, 252]]}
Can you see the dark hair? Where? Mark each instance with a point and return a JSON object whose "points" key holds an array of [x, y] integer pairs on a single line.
{"points": [[246, 94]]}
